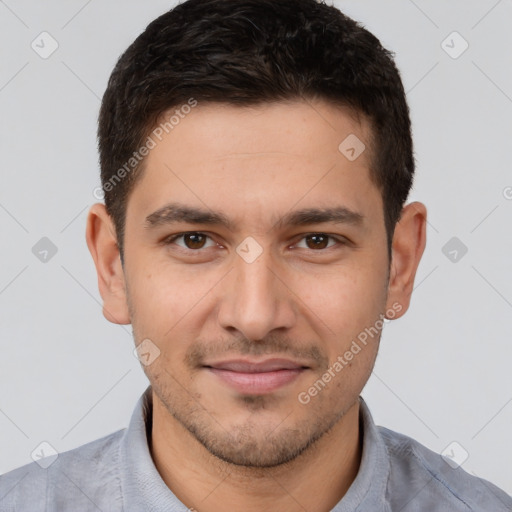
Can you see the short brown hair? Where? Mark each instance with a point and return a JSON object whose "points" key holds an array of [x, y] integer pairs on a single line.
{"points": [[246, 52]]}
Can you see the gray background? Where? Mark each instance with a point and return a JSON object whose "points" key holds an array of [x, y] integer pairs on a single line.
{"points": [[67, 376]]}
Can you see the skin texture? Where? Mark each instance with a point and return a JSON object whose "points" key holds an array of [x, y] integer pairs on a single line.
{"points": [[302, 299]]}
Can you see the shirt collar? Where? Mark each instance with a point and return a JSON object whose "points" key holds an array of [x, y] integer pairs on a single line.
{"points": [[142, 485], [144, 489], [368, 490]]}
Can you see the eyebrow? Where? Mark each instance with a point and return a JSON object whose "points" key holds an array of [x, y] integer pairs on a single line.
{"points": [[175, 212]]}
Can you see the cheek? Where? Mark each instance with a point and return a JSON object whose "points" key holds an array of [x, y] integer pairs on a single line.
{"points": [[345, 298], [347, 308], [170, 302]]}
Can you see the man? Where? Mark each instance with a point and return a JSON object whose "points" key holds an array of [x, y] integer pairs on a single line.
{"points": [[256, 157]]}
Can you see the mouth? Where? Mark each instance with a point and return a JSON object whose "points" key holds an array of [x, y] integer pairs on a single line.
{"points": [[256, 377]]}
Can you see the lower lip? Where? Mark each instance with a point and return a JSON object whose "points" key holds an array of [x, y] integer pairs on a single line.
{"points": [[257, 383]]}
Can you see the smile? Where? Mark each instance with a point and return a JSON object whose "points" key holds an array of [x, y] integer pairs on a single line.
{"points": [[256, 378]]}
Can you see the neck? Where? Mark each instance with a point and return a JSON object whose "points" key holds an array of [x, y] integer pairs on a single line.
{"points": [[316, 480]]}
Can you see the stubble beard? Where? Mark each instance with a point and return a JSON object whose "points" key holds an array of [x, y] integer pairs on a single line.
{"points": [[251, 443]]}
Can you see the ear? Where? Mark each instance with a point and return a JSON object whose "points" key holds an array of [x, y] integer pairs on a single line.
{"points": [[407, 248], [102, 242]]}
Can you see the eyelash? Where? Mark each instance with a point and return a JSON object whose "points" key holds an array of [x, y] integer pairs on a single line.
{"points": [[170, 240]]}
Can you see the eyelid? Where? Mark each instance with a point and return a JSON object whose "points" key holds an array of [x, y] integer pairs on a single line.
{"points": [[172, 238], [340, 239]]}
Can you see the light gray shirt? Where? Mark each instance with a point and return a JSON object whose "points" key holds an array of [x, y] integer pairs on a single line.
{"points": [[116, 473]]}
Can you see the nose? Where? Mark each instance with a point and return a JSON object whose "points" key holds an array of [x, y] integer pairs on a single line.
{"points": [[256, 298]]}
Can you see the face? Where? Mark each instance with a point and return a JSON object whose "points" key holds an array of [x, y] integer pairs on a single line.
{"points": [[256, 269]]}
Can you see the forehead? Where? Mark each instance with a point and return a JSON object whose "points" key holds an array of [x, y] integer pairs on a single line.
{"points": [[271, 154], [304, 127]]}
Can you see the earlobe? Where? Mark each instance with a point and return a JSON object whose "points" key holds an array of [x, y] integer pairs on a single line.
{"points": [[409, 241], [102, 243]]}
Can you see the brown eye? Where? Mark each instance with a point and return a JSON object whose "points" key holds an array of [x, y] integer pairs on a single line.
{"points": [[194, 240], [317, 241]]}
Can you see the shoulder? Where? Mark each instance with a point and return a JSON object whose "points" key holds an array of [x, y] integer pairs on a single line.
{"points": [[84, 477], [421, 479]]}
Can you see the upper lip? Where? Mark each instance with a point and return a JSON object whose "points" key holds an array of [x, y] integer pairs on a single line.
{"points": [[245, 366]]}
